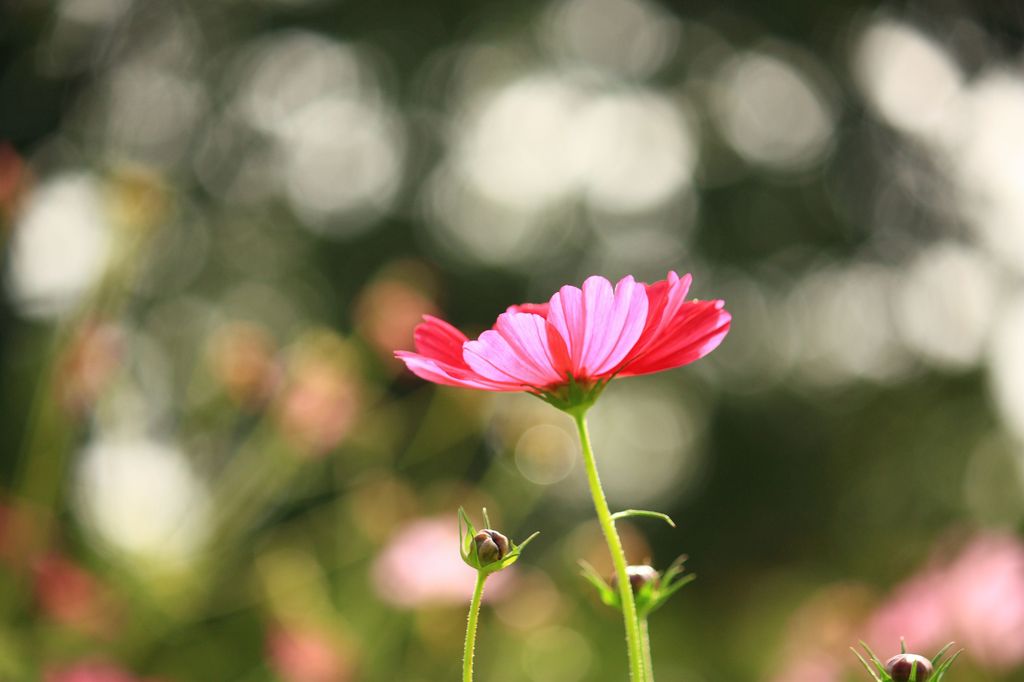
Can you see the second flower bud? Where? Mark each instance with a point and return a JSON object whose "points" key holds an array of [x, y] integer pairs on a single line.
{"points": [[491, 546]]}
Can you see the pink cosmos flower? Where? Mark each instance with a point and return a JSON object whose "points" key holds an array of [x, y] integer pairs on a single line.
{"points": [[582, 336]]}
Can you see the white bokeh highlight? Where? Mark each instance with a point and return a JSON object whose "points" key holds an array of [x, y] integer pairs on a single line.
{"points": [[772, 112], [142, 498], [60, 246]]}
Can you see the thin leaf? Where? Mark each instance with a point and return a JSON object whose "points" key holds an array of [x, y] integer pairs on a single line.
{"points": [[874, 659], [867, 667], [668, 590], [674, 569], [941, 670], [591, 574], [609, 597], [465, 535], [487, 521], [942, 652], [626, 513], [527, 541]]}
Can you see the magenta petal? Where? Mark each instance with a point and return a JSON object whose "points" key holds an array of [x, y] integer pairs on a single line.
{"points": [[566, 315], [446, 375], [599, 325], [698, 328], [535, 308], [598, 301], [515, 350], [620, 326], [527, 335], [435, 338]]}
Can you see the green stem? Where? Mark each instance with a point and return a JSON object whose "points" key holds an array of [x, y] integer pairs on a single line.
{"points": [[645, 635], [611, 536], [474, 613]]}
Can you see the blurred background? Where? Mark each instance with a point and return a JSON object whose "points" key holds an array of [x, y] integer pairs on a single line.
{"points": [[220, 218]]}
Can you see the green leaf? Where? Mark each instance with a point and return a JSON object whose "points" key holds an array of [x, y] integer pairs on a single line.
{"points": [[626, 513], [466, 533], [527, 541], [941, 653], [874, 659], [661, 594], [609, 597], [941, 670], [867, 666]]}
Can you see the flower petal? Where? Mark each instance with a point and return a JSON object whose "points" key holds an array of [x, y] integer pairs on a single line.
{"points": [[599, 325], [615, 329], [664, 299], [566, 314], [447, 375], [435, 338], [535, 308], [440, 357], [516, 350], [696, 329]]}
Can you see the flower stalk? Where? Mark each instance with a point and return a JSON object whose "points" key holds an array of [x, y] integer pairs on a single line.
{"points": [[474, 615], [645, 637], [611, 536], [486, 551]]}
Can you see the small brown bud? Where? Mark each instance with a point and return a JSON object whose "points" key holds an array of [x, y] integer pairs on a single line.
{"points": [[491, 546], [900, 666]]}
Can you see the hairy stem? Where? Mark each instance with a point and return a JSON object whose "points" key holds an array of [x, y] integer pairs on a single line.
{"points": [[474, 614], [611, 536], [645, 636]]}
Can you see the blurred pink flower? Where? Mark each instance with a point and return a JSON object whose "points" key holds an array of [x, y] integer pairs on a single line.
{"points": [[72, 596], [592, 333], [819, 634], [24, 533], [88, 364], [320, 402], [976, 600], [985, 592], [241, 356], [389, 310], [15, 179], [812, 668], [304, 654], [915, 610], [421, 565], [92, 671]]}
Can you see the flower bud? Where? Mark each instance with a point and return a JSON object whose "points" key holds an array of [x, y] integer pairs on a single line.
{"points": [[900, 666], [638, 577], [491, 546]]}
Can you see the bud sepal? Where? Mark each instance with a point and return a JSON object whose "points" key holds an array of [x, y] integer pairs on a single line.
{"points": [[905, 667], [486, 550], [651, 589]]}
